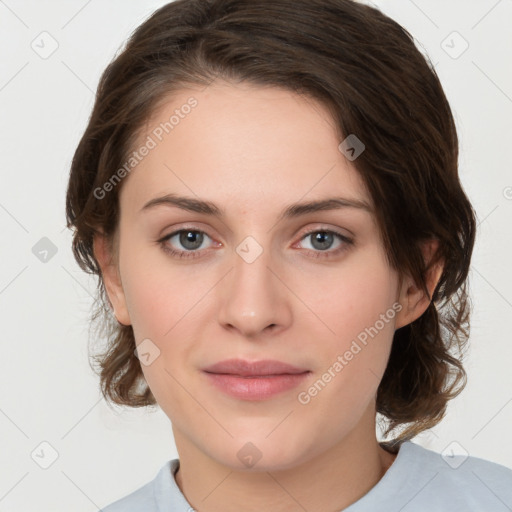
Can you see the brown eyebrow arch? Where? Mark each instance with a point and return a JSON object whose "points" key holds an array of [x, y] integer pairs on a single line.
{"points": [[291, 211]]}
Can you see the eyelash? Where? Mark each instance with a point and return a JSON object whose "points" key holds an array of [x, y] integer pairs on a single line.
{"points": [[195, 254]]}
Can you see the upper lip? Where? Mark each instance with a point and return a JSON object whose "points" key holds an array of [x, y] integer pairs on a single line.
{"points": [[253, 368]]}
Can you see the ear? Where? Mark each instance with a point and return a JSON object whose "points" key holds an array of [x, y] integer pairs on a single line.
{"points": [[413, 300], [111, 278]]}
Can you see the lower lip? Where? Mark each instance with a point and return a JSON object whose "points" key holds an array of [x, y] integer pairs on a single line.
{"points": [[255, 388]]}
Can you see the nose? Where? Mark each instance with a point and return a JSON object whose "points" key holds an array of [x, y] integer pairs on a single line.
{"points": [[254, 299]]}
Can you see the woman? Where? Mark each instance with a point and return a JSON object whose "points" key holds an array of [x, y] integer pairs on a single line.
{"points": [[268, 192]]}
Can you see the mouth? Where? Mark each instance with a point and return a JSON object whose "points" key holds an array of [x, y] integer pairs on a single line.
{"points": [[258, 380], [262, 368]]}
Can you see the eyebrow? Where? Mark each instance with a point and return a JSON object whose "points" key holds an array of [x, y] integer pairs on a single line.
{"points": [[291, 211]]}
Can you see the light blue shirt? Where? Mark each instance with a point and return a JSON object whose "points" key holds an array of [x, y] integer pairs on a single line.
{"points": [[419, 480]]}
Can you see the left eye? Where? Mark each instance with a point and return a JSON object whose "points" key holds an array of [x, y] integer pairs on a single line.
{"points": [[322, 240], [192, 239]]}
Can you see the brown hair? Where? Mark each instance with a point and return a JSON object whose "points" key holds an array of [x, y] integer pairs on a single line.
{"points": [[365, 68]]}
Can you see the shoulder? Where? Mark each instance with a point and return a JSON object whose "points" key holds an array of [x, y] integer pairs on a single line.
{"points": [[141, 499], [148, 497], [457, 467], [422, 480], [465, 482]]}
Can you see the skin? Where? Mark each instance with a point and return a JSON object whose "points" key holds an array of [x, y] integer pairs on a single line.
{"points": [[253, 150]]}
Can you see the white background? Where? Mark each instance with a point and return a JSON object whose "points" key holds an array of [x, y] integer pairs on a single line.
{"points": [[48, 391]]}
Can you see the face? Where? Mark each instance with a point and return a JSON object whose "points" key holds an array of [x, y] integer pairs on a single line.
{"points": [[311, 289]]}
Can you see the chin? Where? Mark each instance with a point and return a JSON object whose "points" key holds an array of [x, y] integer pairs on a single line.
{"points": [[259, 453]]}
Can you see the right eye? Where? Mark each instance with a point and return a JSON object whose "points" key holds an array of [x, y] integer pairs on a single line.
{"points": [[189, 238]]}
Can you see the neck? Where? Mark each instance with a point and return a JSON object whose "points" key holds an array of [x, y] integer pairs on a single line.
{"points": [[331, 480]]}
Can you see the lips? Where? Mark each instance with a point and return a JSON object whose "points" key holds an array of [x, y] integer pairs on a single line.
{"points": [[262, 368], [257, 380]]}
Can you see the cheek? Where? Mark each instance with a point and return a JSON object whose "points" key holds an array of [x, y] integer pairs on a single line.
{"points": [[355, 296], [358, 310], [159, 295], [166, 306]]}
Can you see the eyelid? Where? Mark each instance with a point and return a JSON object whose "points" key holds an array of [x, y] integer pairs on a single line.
{"points": [[323, 227]]}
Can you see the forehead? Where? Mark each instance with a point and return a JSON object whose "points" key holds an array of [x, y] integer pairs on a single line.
{"points": [[244, 143]]}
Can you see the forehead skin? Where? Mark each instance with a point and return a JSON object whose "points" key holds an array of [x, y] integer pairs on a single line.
{"points": [[251, 146]]}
